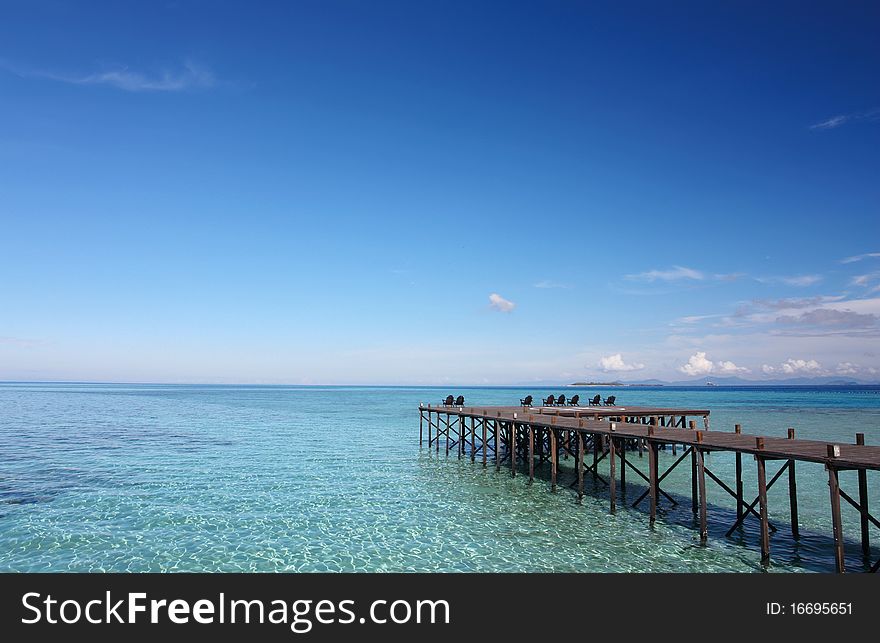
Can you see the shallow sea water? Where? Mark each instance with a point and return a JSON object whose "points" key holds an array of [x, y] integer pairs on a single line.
{"points": [[223, 478]]}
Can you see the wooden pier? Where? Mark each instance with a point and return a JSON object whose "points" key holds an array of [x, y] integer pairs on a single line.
{"points": [[592, 434]]}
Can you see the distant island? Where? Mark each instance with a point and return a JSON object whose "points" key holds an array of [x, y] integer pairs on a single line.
{"points": [[597, 384]]}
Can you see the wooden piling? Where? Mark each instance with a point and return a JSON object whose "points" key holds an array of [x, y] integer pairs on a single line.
{"points": [[612, 483], [497, 445], [580, 465], [701, 477], [531, 453], [740, 503], [762, 498], [554, 457], [513, 449], [863, 502], [484, 442], [792, 494], [652, 477], [421, 420], [836, 523]]}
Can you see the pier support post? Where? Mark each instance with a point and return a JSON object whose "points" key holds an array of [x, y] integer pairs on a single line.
{"points": [[863, 502], [554, 458], [531, 453], [421, 430], [612, 482], [792, 494], [447, 435], [430, 424], [740, 504], [694, 491], [836, 523], [652, 477], [701, 479], [497, 445], [484, 443], [512, 449], [580, 466], [762, 499], [473, 438]]}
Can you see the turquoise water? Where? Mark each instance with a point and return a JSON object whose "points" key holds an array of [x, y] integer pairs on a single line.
{"points": [[204, 478]]}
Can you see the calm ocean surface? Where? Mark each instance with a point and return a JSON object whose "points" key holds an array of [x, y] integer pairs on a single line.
{"points": [[204, 478]]}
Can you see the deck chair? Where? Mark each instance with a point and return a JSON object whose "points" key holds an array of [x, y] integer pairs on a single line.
{"points": [[449, 401], [526, 401], [550, 401], [575, 400], [596, 401], [560, 401], [610, 400], [459, 401]]}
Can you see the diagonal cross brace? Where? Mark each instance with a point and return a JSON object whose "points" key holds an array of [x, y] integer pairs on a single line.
{"points": [[751, 507]]}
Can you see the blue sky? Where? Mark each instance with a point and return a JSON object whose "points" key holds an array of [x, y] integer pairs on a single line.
{"points": [[438, 192]]}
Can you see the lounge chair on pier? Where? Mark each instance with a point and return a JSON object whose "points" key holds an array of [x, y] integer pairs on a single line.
{"points": [[449, 401], [550, 401], [560, 401], [575, 400], [596, 401], [610, 400], [459, 401], [526, 401]]}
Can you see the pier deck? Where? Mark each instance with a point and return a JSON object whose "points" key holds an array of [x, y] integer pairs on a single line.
{"points": [[526, 434]]}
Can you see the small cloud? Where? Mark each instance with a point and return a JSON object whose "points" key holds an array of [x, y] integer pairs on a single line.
{"points": [[791, 280], [801, 280], [614, 363], [847, 368], [694, 319], [189, 76], [865, 280], [499, 303], [794, 302], [794, 367], [550, 284], [676, 273], [699, 364], [854, 258], [729, 368], [842, 119], [830, 317]]}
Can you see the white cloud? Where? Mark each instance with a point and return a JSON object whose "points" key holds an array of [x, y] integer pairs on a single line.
{"points": [[729, 368], [674, 274], [841, 119], [614, 363], [855, 258], [848, 368], [698, 364], [499, 303], [546, 283], [830, 317], [188, 76], [800, 280], [794, 366]]}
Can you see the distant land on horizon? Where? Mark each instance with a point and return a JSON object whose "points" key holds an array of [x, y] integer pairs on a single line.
{"points": [[738, 381]]}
